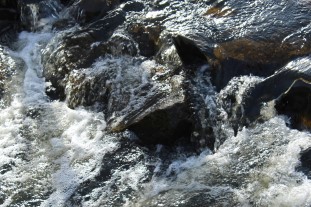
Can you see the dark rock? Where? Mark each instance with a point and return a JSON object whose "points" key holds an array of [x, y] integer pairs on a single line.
{"points": [[85, 11], [146, 37], [80, 49], [289, 87], [8, 4], [9, 14], [6, 167], [230, 39], [32, 11], [305, 165], [133, 6], [62, 24], [66, 2], [296, 103], [167, 126], [87, 89], [189, 53], [232, 50]]}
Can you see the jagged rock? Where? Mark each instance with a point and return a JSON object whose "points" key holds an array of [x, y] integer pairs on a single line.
{"points": [[80, 48], [157, 117], [289, 87], [296, 103], [254, 48], [211, 36]]}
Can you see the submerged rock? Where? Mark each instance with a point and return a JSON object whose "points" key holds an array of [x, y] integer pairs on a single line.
{"points": [[126, 165]]}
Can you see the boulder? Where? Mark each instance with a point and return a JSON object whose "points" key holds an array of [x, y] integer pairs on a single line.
{"points": [[289, 88], [235, 39], [80, 48], [85, 11]]}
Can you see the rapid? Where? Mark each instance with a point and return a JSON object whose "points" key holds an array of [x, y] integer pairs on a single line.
{"points": [[62, 152]]}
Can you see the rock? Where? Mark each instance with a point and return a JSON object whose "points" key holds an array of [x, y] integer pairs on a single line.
{"points": [[79, 49], [296, 104], [176, 114], [234, 50], [305, 165], [128, 157], [290, 89], [227, 38], [146, 37], [33, 11], [85, 11], [155, 115], [135, 6], [189, 52], [156, 118]]}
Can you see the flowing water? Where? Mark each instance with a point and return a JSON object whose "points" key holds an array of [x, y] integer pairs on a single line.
{"points": [[51, 155]]}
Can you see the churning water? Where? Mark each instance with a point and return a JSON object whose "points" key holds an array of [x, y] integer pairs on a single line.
{"points": [[51, 155]]}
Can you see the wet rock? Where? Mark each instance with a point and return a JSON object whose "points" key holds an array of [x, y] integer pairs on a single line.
{"points": [[188, 51], [66, 2], [128, 158], [33, 12], [296, 104], [290, 89], [85, 11], [79, 49], [229, 37], [176, 114], [166, 126], [146, 37], [305, 165], [6, 167], [133, 6], [232, 38], [156, 116]]}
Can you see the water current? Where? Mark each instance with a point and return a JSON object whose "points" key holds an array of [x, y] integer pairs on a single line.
{"points": [[51, 155]]}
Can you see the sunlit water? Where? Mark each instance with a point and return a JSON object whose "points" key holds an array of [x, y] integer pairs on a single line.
{"points": [[47, 151]]}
